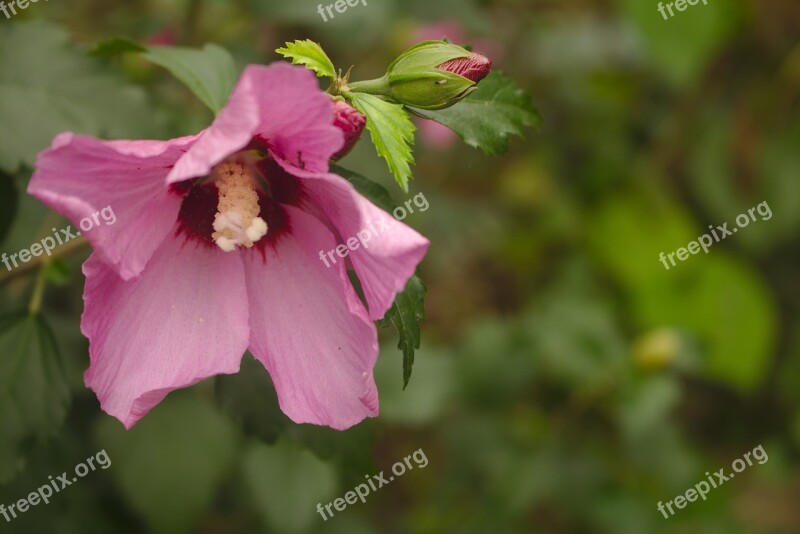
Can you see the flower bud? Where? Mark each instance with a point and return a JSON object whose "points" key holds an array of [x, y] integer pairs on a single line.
{"points": [[350, 122], [435, 75]]}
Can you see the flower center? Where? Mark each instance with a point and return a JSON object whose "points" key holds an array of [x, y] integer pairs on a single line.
{"points": [[237, 222]]}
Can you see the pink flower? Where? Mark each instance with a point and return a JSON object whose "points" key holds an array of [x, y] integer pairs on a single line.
{"points": [[216, 250]]}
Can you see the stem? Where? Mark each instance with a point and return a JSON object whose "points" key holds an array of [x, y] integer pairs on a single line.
{"points": [[378, 86], [38, 293], [66, 249]]}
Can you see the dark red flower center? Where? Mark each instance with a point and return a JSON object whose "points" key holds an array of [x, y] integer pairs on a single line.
{"points": [[228, 210]]}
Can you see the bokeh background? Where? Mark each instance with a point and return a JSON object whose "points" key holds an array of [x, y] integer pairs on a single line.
{"points": [[567, 382]]}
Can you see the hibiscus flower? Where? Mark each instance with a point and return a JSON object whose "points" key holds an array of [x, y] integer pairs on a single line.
{"points": [[216, 251]]}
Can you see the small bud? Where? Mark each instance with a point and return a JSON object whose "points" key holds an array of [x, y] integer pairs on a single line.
{"points": [[350, 122], [435, 75]]}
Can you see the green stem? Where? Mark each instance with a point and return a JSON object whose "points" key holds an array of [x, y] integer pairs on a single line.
{"points": [[38, 292], [378, 86], [64, 250]]}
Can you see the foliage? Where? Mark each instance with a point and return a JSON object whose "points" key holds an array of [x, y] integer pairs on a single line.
{"points": [[567, 381], [485, 119]]}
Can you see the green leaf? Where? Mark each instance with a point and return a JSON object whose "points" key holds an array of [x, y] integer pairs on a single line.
{"points": [[48, 86], [405, 314], [426, 400], [707, 285], [682, 60], [392, 133], [34, 394], [58, 272], [311, 55], [210, 73], [713, 162], [27, 227], [348, 451], [485, 119], [115, 46], [169, 465], [373, 191], [285, 484], [249, 398], [739, 300]]}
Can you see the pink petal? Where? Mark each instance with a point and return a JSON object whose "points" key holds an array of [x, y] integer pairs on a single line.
{"points": [[78, 176], [297, 118], [393, 251], [320, 354], [280, 103], [183, 320]]}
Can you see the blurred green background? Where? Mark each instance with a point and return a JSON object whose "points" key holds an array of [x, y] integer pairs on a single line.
{"points": [[567, 382]]}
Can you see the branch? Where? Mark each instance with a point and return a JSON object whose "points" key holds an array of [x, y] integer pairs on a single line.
{"points": [[73, 246]]}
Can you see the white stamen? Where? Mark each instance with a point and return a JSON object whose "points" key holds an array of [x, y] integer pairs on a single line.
{"points": [[228, 245], [237, 222]]}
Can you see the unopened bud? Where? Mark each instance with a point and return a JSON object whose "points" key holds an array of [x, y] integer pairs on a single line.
{"points": [[435, 75], [430, 75], [350, 122]]}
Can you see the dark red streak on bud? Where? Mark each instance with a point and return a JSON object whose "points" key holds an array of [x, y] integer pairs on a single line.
{"points": [[474, 67], [350, 122]]}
